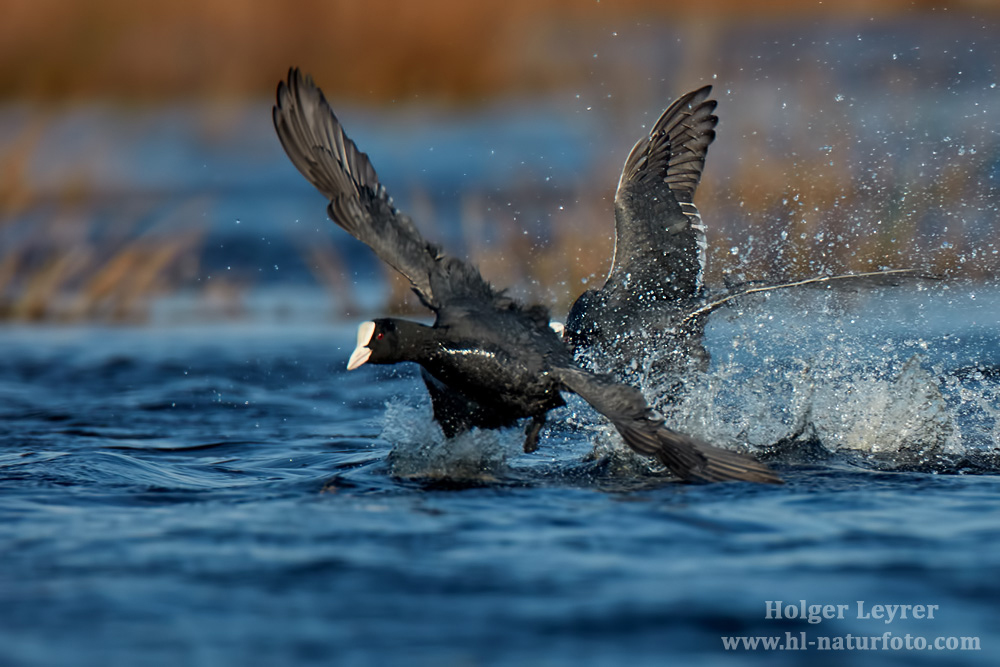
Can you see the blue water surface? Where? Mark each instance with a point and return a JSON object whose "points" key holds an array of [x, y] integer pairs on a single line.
{"points": [[228, 494]]}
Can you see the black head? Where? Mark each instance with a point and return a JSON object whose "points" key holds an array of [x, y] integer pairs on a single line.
{"points": [[378, 343], [389, 341]]}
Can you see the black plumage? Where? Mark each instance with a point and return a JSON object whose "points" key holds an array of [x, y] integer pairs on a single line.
{"points": [[659, 260], [497, 358]]}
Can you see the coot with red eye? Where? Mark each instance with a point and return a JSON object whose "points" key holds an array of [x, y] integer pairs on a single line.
{"points": [[488, 360]]}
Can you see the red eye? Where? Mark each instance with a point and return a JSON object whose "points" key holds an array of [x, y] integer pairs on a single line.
{"points": [[380, 336]]}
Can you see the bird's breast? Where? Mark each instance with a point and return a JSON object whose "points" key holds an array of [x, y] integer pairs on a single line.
{"points": [[494, 376]]}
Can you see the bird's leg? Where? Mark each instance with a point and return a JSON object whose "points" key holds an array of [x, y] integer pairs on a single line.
{"points": [[531, 433]]}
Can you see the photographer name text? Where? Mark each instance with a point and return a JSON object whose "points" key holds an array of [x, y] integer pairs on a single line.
{"points": [[817, 613]]}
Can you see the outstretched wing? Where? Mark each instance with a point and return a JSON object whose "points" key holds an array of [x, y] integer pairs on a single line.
{"points": [[316, 143], [685, 456], [659, 237]]}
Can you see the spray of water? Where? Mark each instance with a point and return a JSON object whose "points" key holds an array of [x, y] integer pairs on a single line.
{"points": [[840, 375], [420, 450]]}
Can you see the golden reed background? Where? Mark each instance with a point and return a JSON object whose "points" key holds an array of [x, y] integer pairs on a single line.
{"points": [[456, 54], [374, 50]]}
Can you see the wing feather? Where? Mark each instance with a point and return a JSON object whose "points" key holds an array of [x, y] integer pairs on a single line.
{"points": [[317, 145], [659, 238], [687, 457]]}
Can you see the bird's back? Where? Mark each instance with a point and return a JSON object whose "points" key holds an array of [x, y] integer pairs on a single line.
{"points": [[498, 355]]}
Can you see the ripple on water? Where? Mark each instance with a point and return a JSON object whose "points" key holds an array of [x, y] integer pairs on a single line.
{"points": [[195, 502]]}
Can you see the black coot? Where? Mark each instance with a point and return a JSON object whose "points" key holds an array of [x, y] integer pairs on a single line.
{"points": [[637, 319], [484, 349], [649, 316]]}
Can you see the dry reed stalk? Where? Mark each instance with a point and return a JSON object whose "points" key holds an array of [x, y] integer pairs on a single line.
{"points": [[41, 290], [121, 289], [15, 193]]}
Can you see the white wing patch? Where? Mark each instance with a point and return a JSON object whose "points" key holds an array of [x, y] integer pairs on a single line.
{"points": [[694, 219]]}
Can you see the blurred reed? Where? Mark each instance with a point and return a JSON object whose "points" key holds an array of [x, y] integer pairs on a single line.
{"points": [[58, 269], [376, 51], [788, 221], [89, 282], [781, 211]]}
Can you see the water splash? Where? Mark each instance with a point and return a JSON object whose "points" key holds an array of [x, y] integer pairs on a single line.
{"points": [[872, 378], [900, 422], [819, 376], [420, 450]]}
